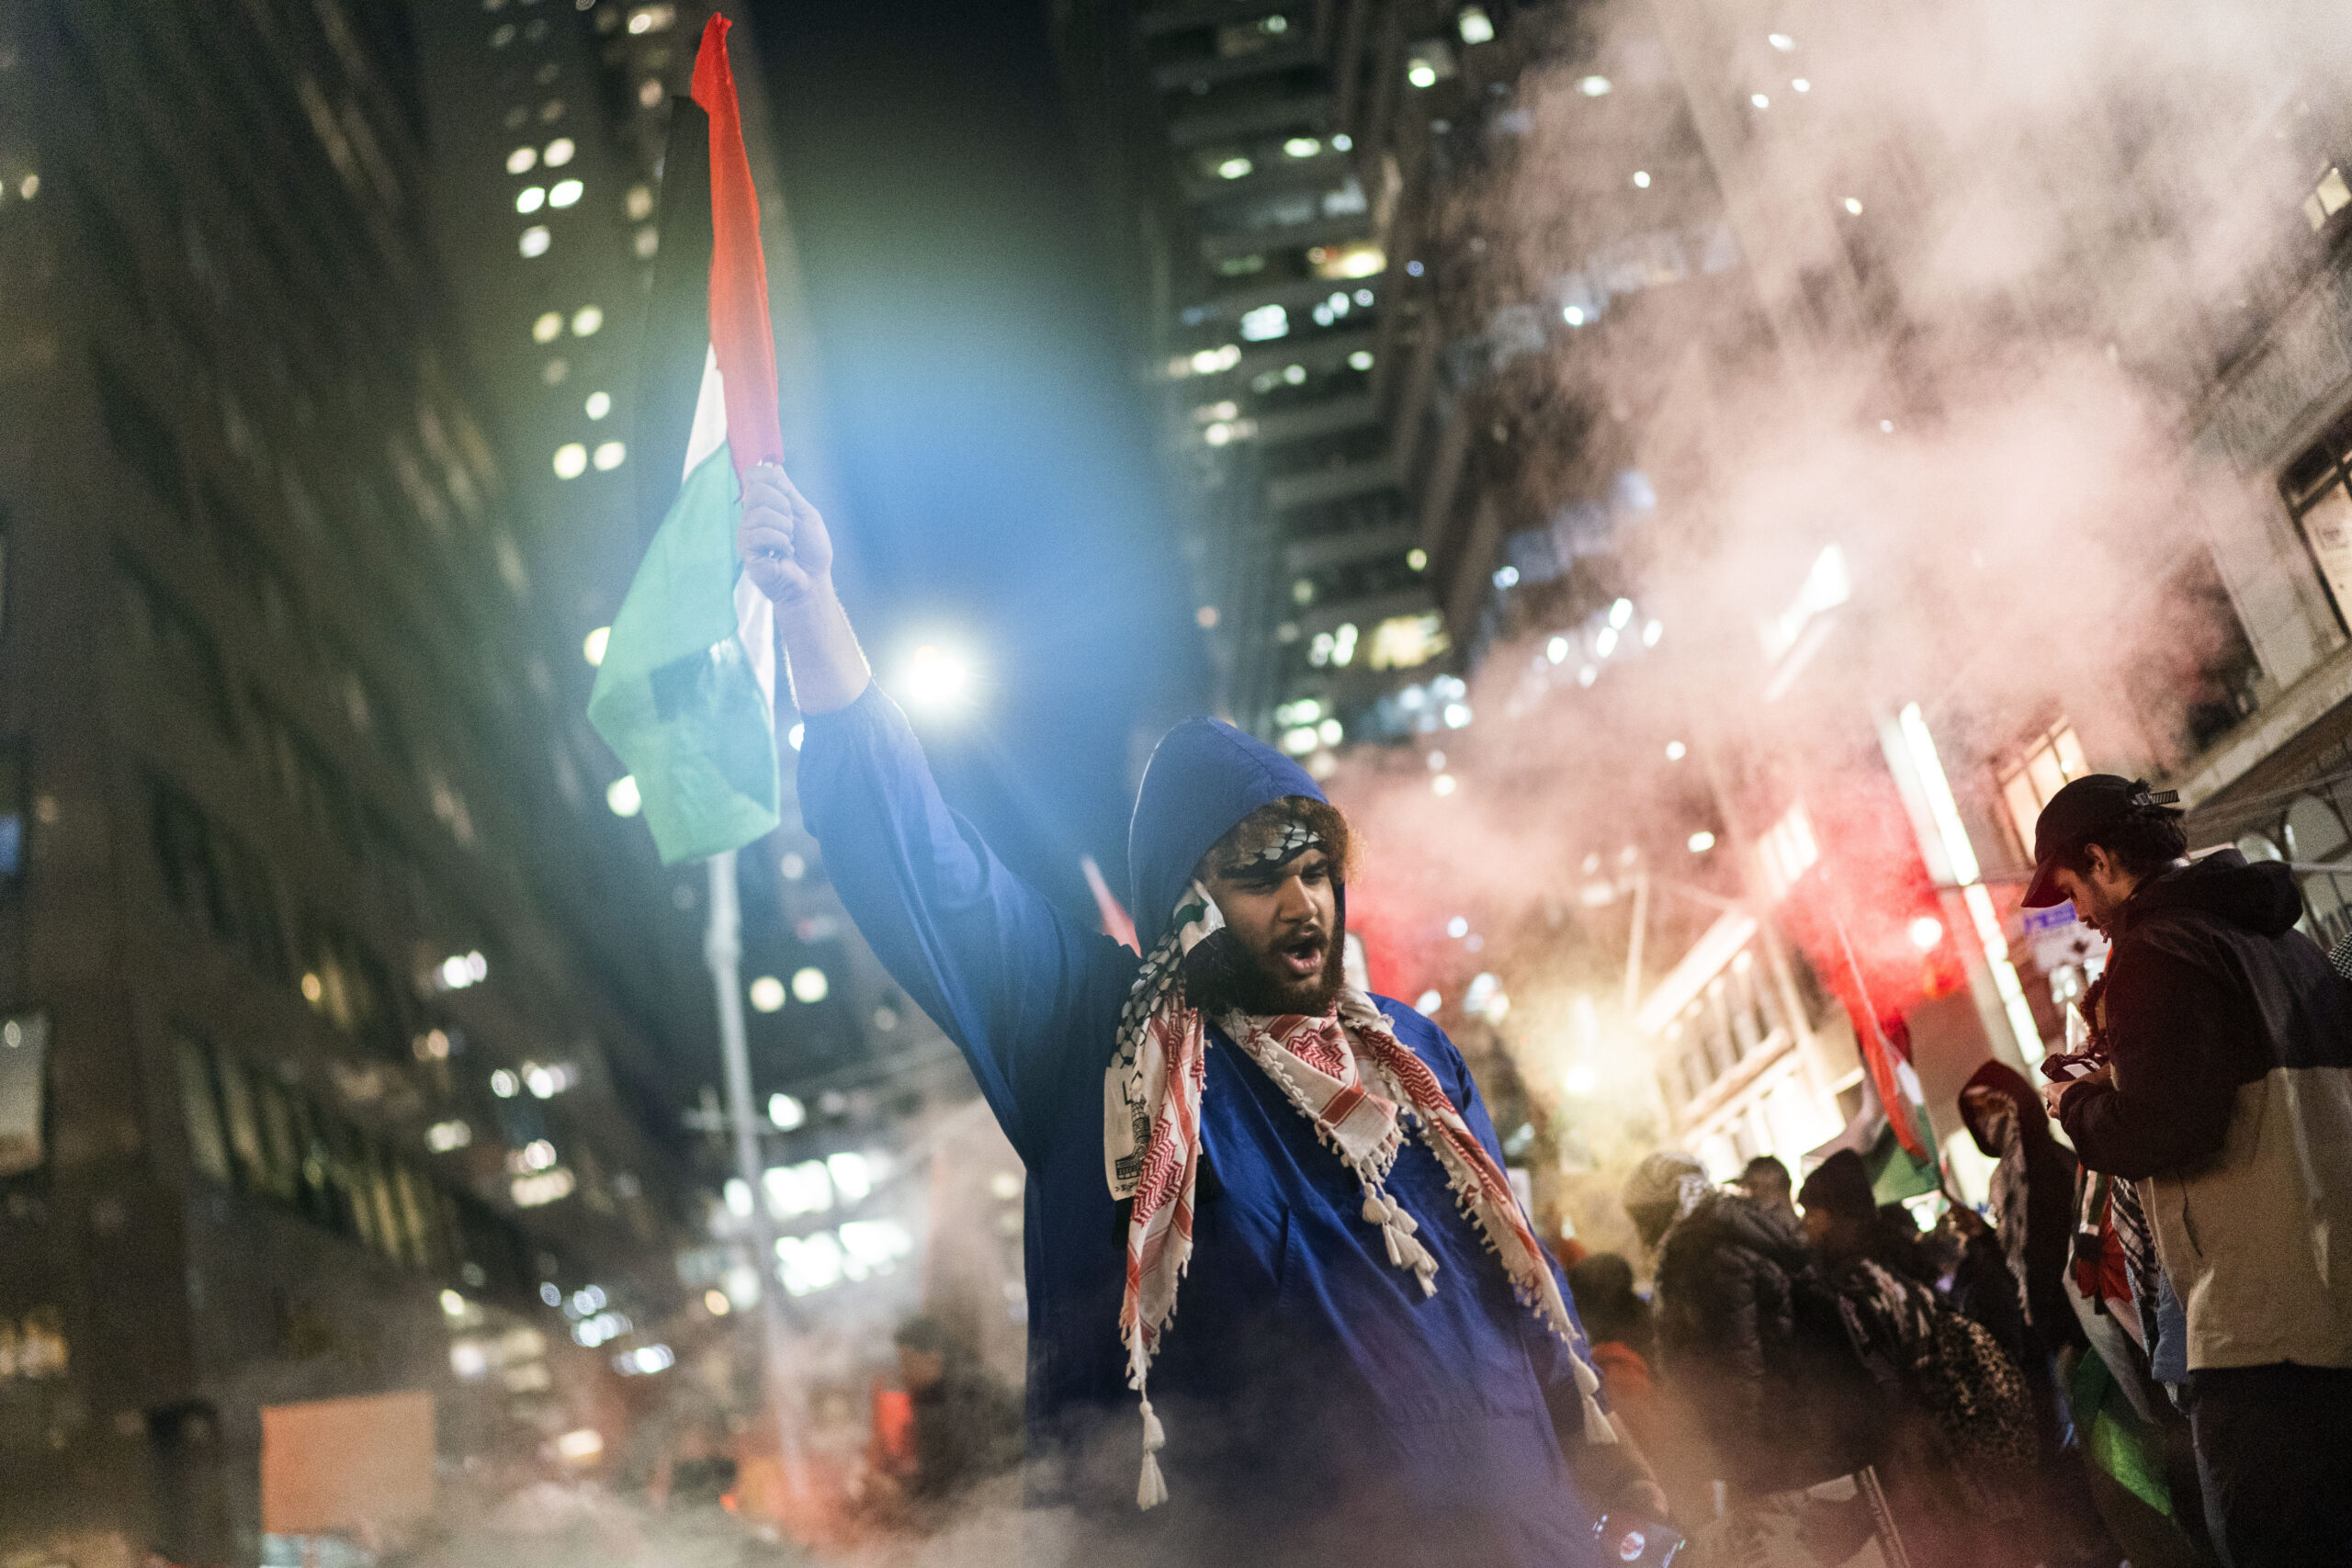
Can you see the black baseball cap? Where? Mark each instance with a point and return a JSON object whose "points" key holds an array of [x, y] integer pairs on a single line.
{"points": [[2074, 817]]}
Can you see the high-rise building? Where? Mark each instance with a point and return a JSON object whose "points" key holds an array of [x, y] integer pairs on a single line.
{"points": [[1268, 172], [307, 1085]]}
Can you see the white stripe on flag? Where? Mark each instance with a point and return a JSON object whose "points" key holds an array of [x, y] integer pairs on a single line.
{"points": [[754, 617]]}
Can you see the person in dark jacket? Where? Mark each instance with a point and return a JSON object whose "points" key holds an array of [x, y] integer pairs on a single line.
{"points": [[2034, 1196], [2227, 1095], [1748, 1337], [1374, 1358]]}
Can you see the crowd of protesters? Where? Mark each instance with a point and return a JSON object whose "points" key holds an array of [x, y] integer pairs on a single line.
{"points": [[2139, 1352]]}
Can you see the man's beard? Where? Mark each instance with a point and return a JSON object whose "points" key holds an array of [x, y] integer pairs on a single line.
{"points": [[1221, 975]]}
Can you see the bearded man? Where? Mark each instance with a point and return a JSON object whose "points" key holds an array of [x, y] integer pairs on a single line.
{"points": [[1376, 1361]]}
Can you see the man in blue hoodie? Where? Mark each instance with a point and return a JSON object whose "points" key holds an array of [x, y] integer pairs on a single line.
{"points": [[1376, 1361]]}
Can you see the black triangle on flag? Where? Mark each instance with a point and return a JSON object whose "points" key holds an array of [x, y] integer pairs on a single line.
{"points": [[677, 319]]}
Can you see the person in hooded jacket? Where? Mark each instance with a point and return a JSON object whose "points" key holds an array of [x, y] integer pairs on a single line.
{"points": [[2032, 1198], [2227, 1095], [1374, 1360]]}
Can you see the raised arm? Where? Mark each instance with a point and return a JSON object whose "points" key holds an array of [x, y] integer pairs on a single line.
{"points": [[1031, 1000]]}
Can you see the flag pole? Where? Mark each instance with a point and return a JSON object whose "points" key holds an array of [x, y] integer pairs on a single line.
{"points": [[723, 950]]}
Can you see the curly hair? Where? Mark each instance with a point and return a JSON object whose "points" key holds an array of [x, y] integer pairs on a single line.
{"points": [[2143, 840], [1249, 839]]}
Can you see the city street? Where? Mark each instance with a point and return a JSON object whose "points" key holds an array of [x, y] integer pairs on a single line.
{"points": [[731, 732]]}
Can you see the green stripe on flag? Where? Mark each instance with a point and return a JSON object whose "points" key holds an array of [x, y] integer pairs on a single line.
{"points": [[676, 697], [1895, 1173]]}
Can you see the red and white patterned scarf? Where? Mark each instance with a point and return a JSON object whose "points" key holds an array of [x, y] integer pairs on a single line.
{"points": [[1358, 1084]]}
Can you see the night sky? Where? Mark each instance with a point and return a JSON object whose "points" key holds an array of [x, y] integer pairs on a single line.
{"points": [[998, 487]]}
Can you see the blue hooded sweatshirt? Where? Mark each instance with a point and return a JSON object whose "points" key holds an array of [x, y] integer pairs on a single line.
{"points": [[1319, 1409]]}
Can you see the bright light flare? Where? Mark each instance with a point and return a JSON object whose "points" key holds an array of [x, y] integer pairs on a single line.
{"points": [[936, 678], [1926, 932]]}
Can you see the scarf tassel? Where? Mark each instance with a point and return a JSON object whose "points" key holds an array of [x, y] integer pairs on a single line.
{"points": [[1598, 1430], [1152, 1488]]}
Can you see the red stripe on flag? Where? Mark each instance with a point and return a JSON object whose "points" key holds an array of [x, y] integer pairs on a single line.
{"points": [[739, 269]]}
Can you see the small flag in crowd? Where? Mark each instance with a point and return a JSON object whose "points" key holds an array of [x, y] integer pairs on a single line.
{"points": [[685, 695]]}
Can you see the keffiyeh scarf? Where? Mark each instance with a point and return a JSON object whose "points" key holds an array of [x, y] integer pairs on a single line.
{"points": [[1359, 1085]]}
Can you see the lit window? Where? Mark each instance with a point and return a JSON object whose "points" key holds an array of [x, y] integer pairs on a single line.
{"points": [[522, 161], [1359, 360], [610, 456], [599, 404], [1302, 146], [640, 202], [1401, 642], [1788, 848], [1362, 258], [547, 328], [563, 193], [533, 241], [1423, 74], [570, 460], [2330, 197], [1265, 321], [559, 151], [530, 198], [2052, 759], [651, 18], [586, 320], [1233, 168], [1475, 25]]}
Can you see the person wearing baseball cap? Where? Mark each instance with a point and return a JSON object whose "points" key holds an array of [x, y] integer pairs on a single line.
{"points": [[2227, 1098]]}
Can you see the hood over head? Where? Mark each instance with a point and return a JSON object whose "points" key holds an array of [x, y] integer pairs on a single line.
{"points": [[2261, 896], [1203, 776], [2007, 1082]]}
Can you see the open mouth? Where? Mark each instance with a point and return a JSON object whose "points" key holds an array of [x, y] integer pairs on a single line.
{"points": [[1302, 959]]}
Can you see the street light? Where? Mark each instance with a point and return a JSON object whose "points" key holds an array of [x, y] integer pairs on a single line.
{"points": [[936, 678]]}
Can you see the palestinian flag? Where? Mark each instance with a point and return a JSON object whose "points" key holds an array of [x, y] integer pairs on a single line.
{"points": [[686, 693]]}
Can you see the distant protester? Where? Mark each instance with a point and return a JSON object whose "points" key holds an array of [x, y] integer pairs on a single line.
{"points": [[1748, 1335], [2032, 1196], [966, 1425], [1767, 1180], [2227, 1097]]}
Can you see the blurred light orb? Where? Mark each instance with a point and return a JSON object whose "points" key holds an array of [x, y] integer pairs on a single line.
{"points": [[936, 678], [533, 241], [811, 984], [530, 198], [570, 460], [623, 796], [1676, 750], [592, 646], [783, 1111], [1442, 784], [714, 1301], [1580, 1080], [1428, 1002], [1926, 932], [559, 153], [1701, 841], [768, 994]]}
